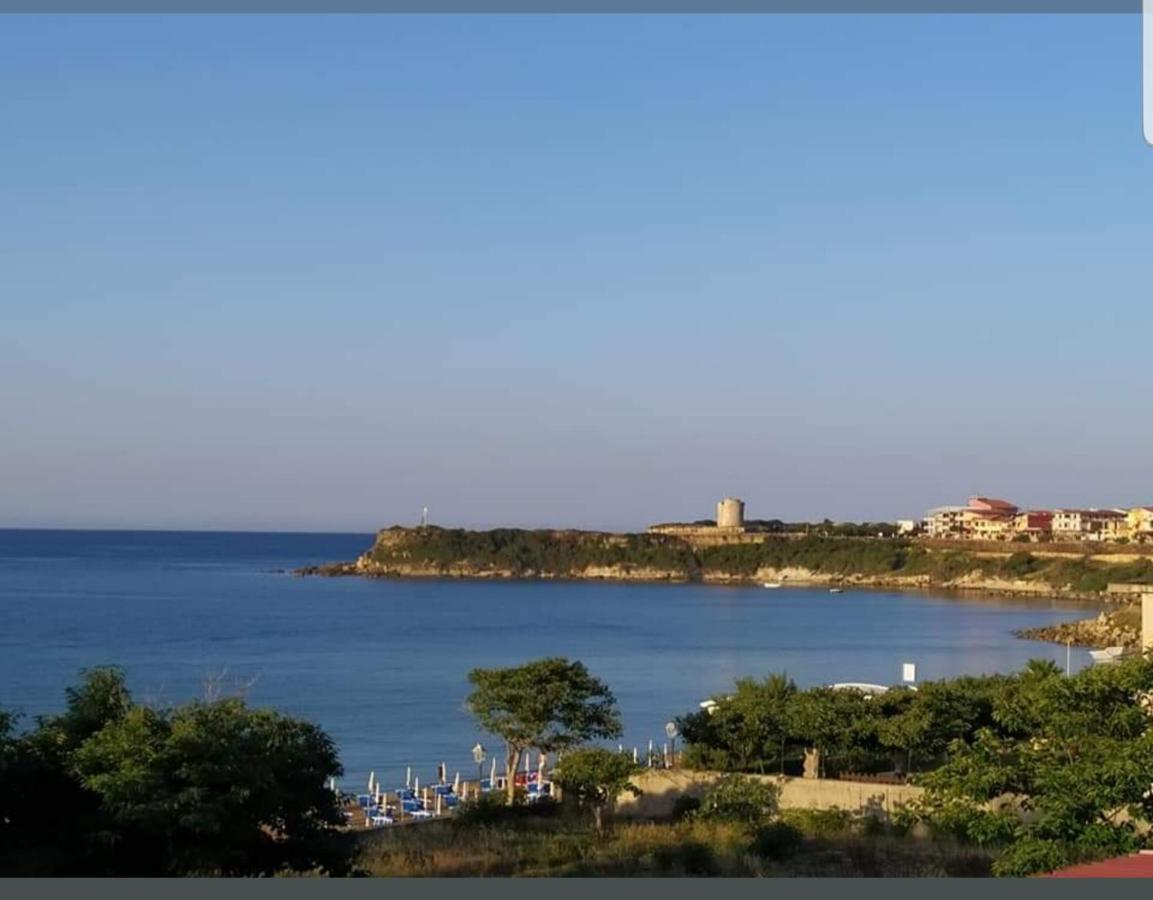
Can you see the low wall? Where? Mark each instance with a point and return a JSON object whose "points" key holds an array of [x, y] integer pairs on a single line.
{"points": [[662, 787]]}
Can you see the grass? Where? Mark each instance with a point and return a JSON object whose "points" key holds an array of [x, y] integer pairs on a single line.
{"points": [[566, 845]]}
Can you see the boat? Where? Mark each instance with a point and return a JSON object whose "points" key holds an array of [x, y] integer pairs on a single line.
{"points": [[1106, 656], [836, 590], [771, 585]]}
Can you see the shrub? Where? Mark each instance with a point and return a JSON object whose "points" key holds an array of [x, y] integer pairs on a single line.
{"points": [[691, 858], [684, 807], [737, 798], [821, 823], [777, 840]]}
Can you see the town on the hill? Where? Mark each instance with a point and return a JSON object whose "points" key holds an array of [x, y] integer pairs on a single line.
{"points": [[991, 519], [980, 519]]}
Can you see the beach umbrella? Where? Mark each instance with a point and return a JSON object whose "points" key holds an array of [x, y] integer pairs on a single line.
{"points": [[442, 773], [408, 777], [416, 784], [540, 768], [438, 802], [371, 781], [456, 783], [492, 775], [665, 754], [650, 751]]}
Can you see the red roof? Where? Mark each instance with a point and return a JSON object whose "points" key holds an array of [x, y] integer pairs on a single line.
{"points": [[1139, 865], [991, 503]]}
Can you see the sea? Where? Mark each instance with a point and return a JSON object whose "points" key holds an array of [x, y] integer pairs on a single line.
{"points": [[383, 665]]}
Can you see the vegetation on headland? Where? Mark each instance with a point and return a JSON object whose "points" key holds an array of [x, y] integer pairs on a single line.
{"points": [[526, 553], [518, 553], [1038, 769]]}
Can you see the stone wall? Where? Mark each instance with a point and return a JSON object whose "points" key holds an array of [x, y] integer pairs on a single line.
{"points": [[662, 787]]}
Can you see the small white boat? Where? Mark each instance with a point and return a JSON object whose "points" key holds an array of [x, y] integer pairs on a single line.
{"points": [[1108, 655], [771, 585], [836, 590]]}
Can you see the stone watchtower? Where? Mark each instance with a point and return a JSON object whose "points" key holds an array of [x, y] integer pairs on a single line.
{"points": [[731, 514]]}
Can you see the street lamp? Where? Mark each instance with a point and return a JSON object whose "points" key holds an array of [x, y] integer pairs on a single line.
{"points": [[671, 734], [478, 755]]}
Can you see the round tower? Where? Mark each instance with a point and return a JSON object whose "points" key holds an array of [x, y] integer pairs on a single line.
{"points": [[731, 513]]}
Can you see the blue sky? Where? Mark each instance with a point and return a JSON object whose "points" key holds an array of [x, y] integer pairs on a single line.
{"points": [[318, 272]]}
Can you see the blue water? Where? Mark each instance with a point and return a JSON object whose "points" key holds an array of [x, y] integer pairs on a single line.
{"points": [[383, 665]]}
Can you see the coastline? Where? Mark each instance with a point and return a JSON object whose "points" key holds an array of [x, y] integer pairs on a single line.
{"points": [[1093, 632], [786, 578], [1035, 572]]}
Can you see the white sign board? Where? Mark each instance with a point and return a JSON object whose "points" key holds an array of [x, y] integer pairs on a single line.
{"points": [[909, 670]]}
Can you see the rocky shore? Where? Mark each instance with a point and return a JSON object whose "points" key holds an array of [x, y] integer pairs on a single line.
{"points": [[432, 552], [1113, 628]]}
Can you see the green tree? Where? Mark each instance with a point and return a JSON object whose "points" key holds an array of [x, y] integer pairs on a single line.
{"points": [[832, 722], [111, 787], [595, 777], [1075, 752], [549, 704], [217, 788]]}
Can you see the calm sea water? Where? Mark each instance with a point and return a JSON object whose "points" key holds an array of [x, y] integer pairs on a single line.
{"points": [[382, 665]]}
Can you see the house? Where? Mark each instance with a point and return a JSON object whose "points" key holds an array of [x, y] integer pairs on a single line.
{"points": [[1089, 524], [1037, 525], [992, 506], [944, 521], [1139, 523], [982, 518], [986, 526], [988, 519]]}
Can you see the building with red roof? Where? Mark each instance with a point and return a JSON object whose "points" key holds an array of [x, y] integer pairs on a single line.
{"points": [[1137, 865]]}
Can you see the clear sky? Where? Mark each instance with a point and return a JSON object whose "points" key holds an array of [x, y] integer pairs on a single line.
{"points": [[318, 272]]}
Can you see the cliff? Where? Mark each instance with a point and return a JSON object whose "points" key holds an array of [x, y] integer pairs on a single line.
{"points": [[517, 553]]}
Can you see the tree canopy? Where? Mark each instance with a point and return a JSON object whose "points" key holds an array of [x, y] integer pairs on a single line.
{"points": [[595, 777], [1043, 768], [548, 704], [112, 787]]}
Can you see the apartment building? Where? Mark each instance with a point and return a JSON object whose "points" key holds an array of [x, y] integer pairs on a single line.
{"points": [[1089, 524]]}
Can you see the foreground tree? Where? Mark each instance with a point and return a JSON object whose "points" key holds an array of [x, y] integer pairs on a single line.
{"points": [[549, 704], [114, 788], [596, 777], [1075, 753]]}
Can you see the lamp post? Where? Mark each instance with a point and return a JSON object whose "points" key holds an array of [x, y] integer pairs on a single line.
{"points": [[478, 756], [671, 734]]}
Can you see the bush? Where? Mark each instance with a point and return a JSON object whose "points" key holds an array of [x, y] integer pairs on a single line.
{"points": [[822, 823], [685, 807], [778, 840], [690, 858], [737, 798]]}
